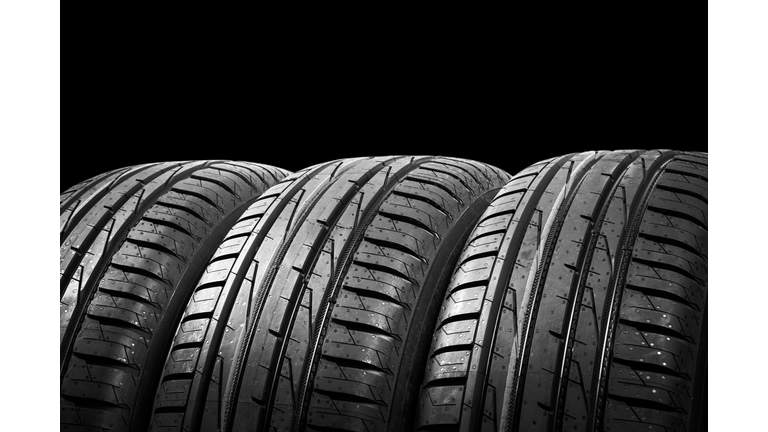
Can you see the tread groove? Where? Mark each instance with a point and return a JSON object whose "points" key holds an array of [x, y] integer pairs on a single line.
{"points": [[673, 242], [423, 199], [436, 184], [154, 246], [97, 360], [681, 191], [182, 208], [357, 364], [448, 173], [445, 382], [591, 236], [653, 328], [219, 183], [363, 327], [397, 246], [687, 174], [384, 269], [127, 296], [141, 272], [662, 294], [677, 214], [310, 204], [171, 225], [346, 397], [361, 292], [344, 263], [410, 220], [645, 403], [197, 195], [622, 259], [668, 267], [647, 367], [570, 189]]}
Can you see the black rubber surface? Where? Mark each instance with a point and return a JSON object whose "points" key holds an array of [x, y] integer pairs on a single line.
{"points": [[316, 310], [579, 302], [389, 293], [133, 242]]}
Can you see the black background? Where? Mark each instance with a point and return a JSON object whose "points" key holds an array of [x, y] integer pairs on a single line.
{"points": [[148, 89]]}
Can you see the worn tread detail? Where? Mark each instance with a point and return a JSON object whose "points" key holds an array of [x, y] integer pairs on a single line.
{"points": [[578, 301], [302, 321], [132, 242]]}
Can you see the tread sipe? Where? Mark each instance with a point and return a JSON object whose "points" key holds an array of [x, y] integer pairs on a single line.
{"points": [[316, 310], [133, 243], [579, 302]]}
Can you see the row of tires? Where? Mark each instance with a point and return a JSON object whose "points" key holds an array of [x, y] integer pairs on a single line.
{"points": [[387, 294]]}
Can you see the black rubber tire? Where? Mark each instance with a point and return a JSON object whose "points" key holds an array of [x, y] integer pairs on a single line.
{"points": [[133, 244], [316, 311], [580, 302]]}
